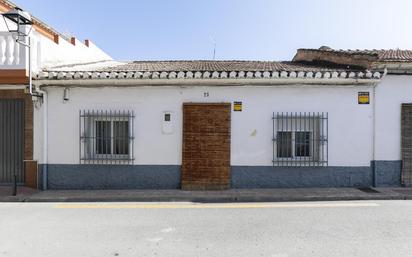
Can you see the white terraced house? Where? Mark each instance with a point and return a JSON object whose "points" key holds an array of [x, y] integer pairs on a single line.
{"points": [[210, 125], [328, 118]]}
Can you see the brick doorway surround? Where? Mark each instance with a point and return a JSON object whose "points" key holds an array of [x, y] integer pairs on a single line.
{"points": [[206, 146]]}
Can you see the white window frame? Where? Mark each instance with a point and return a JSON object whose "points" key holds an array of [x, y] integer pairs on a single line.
{"points": [[293, 146], [112, 139]]}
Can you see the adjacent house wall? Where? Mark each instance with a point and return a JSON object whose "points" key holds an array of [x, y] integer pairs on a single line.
{"points": [[350, 135], [48, 49], [67, 53], [390, 94]]}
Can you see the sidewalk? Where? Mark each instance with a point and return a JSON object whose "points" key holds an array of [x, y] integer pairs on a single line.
{"points": [[233, 195], [22, 194]]}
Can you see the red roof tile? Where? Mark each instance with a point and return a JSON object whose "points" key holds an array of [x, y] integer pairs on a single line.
{"points": [[205, 65]]}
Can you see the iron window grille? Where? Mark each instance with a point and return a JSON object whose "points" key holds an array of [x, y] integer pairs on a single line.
{"points": [[300, 139], [106, 137]]}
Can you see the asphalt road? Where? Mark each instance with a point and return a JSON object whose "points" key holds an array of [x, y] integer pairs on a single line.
{"points": [[367, 228]]}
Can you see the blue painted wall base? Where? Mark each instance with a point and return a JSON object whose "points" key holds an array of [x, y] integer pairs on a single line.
{"points": [[388, 173], [294, 177], [65, 176]]}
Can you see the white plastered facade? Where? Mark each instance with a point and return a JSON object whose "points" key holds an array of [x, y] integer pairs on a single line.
{"points": [[390, 94], [350, 124]]}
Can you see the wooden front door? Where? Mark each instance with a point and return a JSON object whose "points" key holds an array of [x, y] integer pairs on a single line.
{"points": [[206, 146]]}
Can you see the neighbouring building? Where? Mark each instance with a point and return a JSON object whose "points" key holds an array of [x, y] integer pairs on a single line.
{"points": [[328, 118], [49, 48], [392, 109]]}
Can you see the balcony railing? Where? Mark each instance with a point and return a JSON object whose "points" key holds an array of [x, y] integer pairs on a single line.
{"points": [[12, 54]]}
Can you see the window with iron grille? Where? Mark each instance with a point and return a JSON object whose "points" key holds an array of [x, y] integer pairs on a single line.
{"points": [[300, 139], [106, 137]]}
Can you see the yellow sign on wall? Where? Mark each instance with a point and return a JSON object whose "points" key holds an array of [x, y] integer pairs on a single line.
{"points": [[237, 106], [363, 98]]}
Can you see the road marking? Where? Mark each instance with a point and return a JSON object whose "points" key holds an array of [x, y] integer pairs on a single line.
{"points": [[155, 240], [215, 206], [167, 230]]}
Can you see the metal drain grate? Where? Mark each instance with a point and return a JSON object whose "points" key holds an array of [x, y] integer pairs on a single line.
{"points": [[368, 190]]}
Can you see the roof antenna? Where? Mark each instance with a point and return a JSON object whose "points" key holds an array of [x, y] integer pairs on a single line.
{"points": [[214, 47]]}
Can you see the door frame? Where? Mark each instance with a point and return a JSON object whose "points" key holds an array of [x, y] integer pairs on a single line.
{"points": [[214, 183]]}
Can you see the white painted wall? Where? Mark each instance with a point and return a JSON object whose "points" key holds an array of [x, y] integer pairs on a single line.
{"points": [[66, 53], [350, 124], [390, 94]]}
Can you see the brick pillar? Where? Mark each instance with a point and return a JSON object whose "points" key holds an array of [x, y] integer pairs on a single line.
{"points": [[206, 146]]}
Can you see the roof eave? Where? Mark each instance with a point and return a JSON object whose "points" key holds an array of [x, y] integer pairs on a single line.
{"points": [[398, 67], [203, 82]]}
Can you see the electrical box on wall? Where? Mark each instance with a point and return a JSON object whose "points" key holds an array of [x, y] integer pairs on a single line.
{"points": [[167, 123]]}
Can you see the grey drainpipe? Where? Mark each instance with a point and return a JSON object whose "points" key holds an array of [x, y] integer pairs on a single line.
{"points": [[374, 182]]}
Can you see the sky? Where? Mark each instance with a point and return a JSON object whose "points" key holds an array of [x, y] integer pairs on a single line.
{"points": [[236, 29]]}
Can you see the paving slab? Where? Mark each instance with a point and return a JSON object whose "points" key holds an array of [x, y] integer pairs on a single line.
{"points": [[22, 193]]}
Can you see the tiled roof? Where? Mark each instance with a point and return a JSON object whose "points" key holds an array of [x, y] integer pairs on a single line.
{"points": [[205, 65], [204, 70], [381, 55], [394, 55]]}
